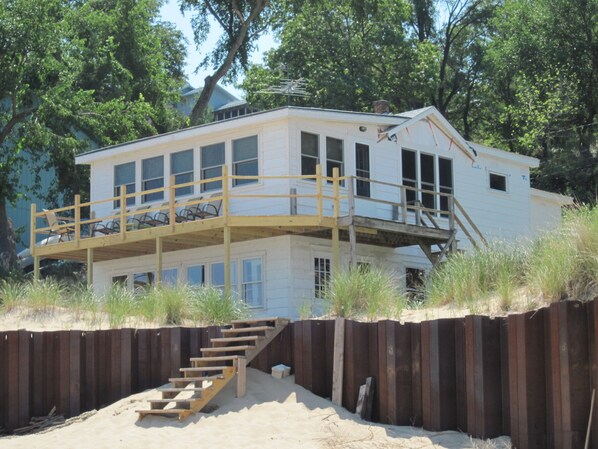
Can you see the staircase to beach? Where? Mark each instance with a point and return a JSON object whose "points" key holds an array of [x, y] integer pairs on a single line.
{"points": [[225, 359]]}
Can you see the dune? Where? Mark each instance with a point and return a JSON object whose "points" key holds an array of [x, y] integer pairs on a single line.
{"points": [[274, 414]]}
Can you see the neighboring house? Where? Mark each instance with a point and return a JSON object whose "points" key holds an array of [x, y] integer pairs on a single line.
{"points": [[221, 100], [303, 192]]}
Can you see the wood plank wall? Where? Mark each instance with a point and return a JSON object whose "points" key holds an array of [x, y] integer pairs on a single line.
{"points": [[529, 376]]}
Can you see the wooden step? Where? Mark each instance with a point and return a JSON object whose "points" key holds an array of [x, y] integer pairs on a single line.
{"points": [[180, 390], [239, 330], [218, 358], [181, 403], [258, 320], [236, 339], [229, 348], [161, 411], [202, 368], [188, 380]]}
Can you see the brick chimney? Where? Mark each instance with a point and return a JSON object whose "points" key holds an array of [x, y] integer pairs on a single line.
{"points": [[381, 107]]}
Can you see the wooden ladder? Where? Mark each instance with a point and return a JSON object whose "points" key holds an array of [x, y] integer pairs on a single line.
{"points": [[226, 357]]}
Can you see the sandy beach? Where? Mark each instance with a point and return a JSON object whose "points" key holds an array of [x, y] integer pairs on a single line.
{"points": [[274, 414]]}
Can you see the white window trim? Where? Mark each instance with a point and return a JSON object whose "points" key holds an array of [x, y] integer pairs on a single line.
{"points": [[498, 173]]}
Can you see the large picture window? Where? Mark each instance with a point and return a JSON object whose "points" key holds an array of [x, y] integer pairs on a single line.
{"points": [[212, 160], [124, 175], [181, 167], [310, 153], [245, 159], [153, 178]]}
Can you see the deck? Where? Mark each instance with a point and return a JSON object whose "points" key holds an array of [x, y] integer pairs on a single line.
{"points": [[326, 208]]}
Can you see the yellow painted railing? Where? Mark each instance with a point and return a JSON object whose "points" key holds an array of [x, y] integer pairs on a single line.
{"points": [[78, 221]]}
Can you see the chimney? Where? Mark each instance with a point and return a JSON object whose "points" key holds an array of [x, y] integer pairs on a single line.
{"points": [[381, 107]]}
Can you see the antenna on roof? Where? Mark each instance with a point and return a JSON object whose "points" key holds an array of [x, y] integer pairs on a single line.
{"points": [[287, 86]]}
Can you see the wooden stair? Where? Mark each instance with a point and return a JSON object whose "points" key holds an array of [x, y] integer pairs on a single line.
{"points": [[226, 358]]}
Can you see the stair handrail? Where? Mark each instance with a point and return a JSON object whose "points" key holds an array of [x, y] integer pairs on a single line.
{"points": [[471, 224]]}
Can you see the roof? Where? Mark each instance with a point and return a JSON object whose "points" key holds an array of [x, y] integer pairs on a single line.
{"points": [[562, 200], [502, 154]]}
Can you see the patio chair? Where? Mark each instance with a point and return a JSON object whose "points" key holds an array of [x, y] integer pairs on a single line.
{"points": [[188, 213], [106, 227], [203, 210], [57, 226], [156, 218], [136, 221]]}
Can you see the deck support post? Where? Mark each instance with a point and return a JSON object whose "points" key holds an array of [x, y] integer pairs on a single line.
{"points": [[352, 235], [78, 220], [89, 267], [158, 260], [335, 230], [36, 268], [319, 199], [241, 377], [227, 273]]}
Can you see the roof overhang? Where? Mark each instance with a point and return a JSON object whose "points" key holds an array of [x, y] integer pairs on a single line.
{"points": [[562, 200]]}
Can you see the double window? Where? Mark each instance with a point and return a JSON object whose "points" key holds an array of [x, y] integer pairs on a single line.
{"points": [[426, 174], [181, 167], [124, 175], [245, 160], [153, 178], [310, 154]]}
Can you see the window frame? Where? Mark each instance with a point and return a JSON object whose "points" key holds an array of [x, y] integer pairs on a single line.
{"points": [[183, 191], [237, 163], [129, 201], [310, 157], [259, 282], [341, 164], [362, 188], [156, 196], [321, 276], [504, 176], [207, 186]]}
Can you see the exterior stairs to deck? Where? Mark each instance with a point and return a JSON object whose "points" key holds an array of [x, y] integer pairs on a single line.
{"points": [[226, 358]]}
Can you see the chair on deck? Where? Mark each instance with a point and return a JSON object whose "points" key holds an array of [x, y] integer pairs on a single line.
{"points": [[57, 226], [203, 210], [136, 221], [107, 227], [156, 218]]}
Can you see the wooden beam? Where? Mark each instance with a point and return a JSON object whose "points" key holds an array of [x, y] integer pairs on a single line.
{"points": [[158, 260], [77, 219], [338, 361], [36, 268], [32, 233], [241, 377], [319, 199], [89, 267], [352, 236], [227, 277]]}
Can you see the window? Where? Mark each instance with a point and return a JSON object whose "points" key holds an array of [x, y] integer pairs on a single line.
{"points": [[143, 280], [196, 275], [310, 153], [124, 175], [170, 276], [409, 165], [445, 180], [245, 161], [362, 169], [414, 281], [428, 180], [212, 160], [321, 275], [181, 167], [218, 275], [252, 287], [498, 182], [334, 156], [121, 280], [153, 178]]}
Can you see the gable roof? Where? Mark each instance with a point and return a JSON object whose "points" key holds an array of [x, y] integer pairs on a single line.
{"points": [[432, 114]]}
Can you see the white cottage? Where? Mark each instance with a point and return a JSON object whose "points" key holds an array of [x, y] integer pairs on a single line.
{"points": [[268, 205]]}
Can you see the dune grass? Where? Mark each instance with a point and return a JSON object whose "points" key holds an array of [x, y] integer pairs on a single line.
{"points": [[364, 291], [557, 265]]}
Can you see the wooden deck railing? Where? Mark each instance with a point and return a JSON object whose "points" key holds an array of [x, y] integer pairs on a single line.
{"points": [[78, 221]]}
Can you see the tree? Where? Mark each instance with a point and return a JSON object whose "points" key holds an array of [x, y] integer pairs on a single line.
{"points": [[67, 80], [241, 23]]}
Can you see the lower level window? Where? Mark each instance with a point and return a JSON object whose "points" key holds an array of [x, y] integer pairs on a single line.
{"points": [[414, 282], [170, 276], [217, 278], [143, 280], [321, 275], [122, 280], [196, 275], [252, 291]]}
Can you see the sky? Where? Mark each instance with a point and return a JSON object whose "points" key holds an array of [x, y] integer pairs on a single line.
{"points": [[171, 13]]}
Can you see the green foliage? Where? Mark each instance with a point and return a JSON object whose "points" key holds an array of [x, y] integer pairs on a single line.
{"points": [[44, 296], [364, 291], [210, 306], [120, 304], [11, 295], [168, 304]]}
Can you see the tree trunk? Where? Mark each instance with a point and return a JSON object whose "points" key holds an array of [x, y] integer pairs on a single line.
{"points": [[8, 250]]}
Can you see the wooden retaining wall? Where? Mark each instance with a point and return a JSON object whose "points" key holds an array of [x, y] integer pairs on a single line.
{"points": [[529, 376]]}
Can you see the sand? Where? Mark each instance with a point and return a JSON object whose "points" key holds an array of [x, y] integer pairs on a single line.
{"points": [[274, 414]]}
